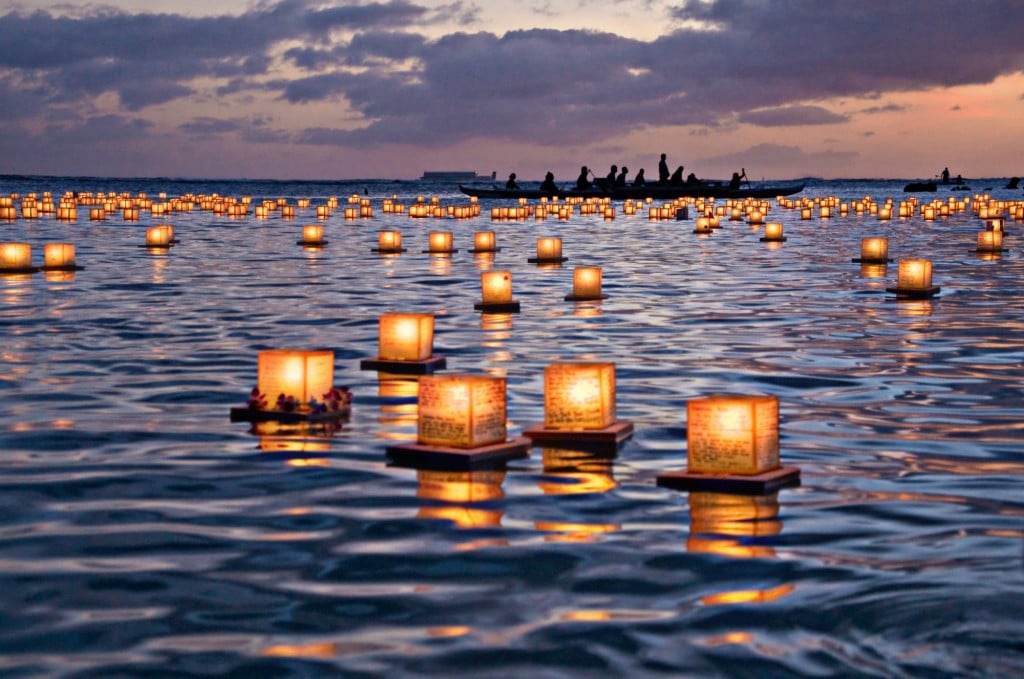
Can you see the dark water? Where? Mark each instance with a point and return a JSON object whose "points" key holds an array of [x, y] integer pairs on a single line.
{"points": [[143, 534]]}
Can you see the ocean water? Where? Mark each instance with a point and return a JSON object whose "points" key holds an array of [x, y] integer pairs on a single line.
{"points": [[144, 534]]}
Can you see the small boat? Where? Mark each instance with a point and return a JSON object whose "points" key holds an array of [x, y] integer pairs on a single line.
{"points": [[918, 187], [705, 189]]}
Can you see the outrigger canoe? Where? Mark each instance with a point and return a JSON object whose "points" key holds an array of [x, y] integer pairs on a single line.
{"points": [[658, 191]]}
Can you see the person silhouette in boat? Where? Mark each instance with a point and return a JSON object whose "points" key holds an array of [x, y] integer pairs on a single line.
{"points": [[737, 177], [511, 183], [547, 187], [677, 176], [945, 175], [620, 180], [583, 181], [640, 180], [692, 179], [609, 179], [663, 170]]}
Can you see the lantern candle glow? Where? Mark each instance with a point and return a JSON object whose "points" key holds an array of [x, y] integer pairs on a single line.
{"points": [[874, 250], [496, 287], [440, 242], [159, 236], [59, 257], [579, 408], [773, 232], [484, 241], [586, 284], [16, 258], [990, 241], [389, 241], [312, 235], [732, 445], [914, 279], [549, 250], [405, 344], [295, 374]]}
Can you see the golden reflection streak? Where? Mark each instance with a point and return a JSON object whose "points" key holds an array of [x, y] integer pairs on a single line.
{"points": [[459, 490], [313, 650]]}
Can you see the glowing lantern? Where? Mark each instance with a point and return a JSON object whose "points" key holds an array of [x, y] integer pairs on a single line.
{"points": [[159, 236], [773, 232], [825, 212], [755, 218], [914, 279], [295, 374], [885, 213], [579, 395], [440, 242], [484, 241], [990, 241], [312, 234], [732, 434], [805, 213], [586, 284], [389, 241], [874, 250], [16, 257], [406, 337], [59, 256], [497, 292], [461, 411], [549, 250]]}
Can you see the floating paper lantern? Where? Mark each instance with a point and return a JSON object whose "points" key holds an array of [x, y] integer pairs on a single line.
{"points": [[874, 250], [732, 434], [914, 279], [58, 256], [702, 225], [461, 411], [755, 218], [8, 213], [586, 284], [16, 257], [484, 241], [159, 236], [549, 249], [299, 375], [773, 232], [406, 336], [805, 213], [994, 224], [440, 242], [389, 241], [497, 292], [990, 241], [312, 234], [130, 214], [579, 395]]}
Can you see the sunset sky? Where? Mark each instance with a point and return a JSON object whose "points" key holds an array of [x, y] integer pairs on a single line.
{"points": [[304, 89]]}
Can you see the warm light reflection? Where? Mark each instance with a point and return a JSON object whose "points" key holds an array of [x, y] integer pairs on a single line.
{"points": [[313, 650], [572, 472], [459, 490]]}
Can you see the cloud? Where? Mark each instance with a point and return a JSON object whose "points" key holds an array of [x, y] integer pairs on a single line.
{"points": [[887, 108], [792, 115]]}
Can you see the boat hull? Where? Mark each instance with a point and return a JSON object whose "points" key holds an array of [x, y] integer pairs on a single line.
{"points": [[656, 191]]}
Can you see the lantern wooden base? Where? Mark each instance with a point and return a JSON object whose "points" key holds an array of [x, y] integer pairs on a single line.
{"points": [[388, 251], [422, 456], [870, 260], [585, 298], [157, 247], [607, 439], [772, 240], [66, 267], [753, 484], [425, 367], [915, 294], [547, 260], [485, 251], [991, 251], [312, 243], [289, 416], [439, 252], [703, 232], [19, 269], [498, 307]]}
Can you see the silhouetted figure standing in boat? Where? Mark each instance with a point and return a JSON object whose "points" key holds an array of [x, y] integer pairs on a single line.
{"points": [[1012, 184], [511, 183], [621, 179], [547, 187], [583, 181], [609, 179], [640, 180], [677, 176], [945, 175], [663, 169], [737, 177]]}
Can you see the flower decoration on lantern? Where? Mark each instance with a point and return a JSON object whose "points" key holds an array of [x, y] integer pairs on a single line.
{"points": [[295, 386]]}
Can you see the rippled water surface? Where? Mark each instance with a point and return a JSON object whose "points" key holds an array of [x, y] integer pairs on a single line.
{"points": [[143, 534]]}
